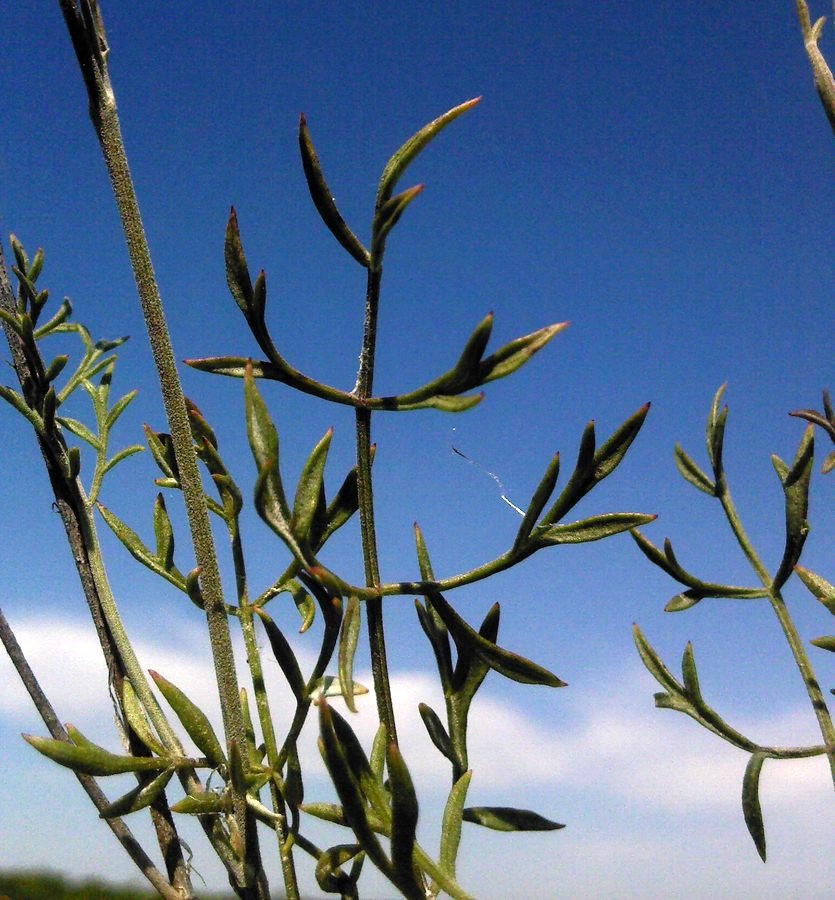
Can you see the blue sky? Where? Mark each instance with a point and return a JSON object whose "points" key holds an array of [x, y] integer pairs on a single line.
{"points": [[659, 175]]}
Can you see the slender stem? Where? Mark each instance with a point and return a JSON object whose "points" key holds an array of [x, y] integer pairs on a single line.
{"points": [[365, 493], [87, 33], [253, 657], [793, 639]]}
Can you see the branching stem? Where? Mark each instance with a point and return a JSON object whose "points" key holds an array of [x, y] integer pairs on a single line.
{"points": [[778, 604]]}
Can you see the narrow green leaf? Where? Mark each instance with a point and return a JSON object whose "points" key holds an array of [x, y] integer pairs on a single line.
{"points": [[36, 265], [514, 355], [348, 639], [512, 666], [237, 272], [54, 369], [135, 717], [715, 433], [263, 440], [580, 480], [825, 643], [118, 408], [692, 473], [323, 199], [285, 657], [12, 321], [377, 757], [386, 217], [424, 563], [796, 489], [436, 632], [541, 496], [162, 451], [505, 818], [137, 548], [343, 506], [751, 802], [593, 529], [204, 803], [13, 398], [404, 819], [820, 587], [141, 796], [253, 754], [293, 781], [63, 313], [653, 663], [688, 671], [309, 488], [193, 719], [97, 761], [467, 366], [397, 164], [121, 455], [437, 733], [667, 561], [80, 430], [683, 601], [20, 256], [451, 823], [346, 775]]}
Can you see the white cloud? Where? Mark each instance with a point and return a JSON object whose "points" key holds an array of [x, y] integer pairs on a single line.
{"points": [[623, 774]]}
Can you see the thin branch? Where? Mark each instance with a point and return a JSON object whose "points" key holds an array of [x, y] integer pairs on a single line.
{"points": [[94, 792]]}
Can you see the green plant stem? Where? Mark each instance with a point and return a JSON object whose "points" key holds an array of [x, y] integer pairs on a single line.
{"points": [[262, 704], [87, 33], [795, 643], [365, 493]]}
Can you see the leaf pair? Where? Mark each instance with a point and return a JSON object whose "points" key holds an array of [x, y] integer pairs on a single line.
{"points": [[387, 208], [472, 370], [697, 589]]}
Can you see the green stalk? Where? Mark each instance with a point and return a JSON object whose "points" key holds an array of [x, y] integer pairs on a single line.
{"points": [[793, 639], [87, 34], [253, 657], [365, 493]]}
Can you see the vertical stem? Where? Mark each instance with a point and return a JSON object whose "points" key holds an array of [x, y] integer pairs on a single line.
{"points": [[253, 657], [793, 639], [365, 493], [86, 31]]}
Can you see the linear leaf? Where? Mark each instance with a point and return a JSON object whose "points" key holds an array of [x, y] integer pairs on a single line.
{"points": [[348, 639], [751, 810], [820, 587], [92, 760], [310, 487], [404, 819], [141, 796], [437, 733], [285, 657], [692, 473], [80, 430], [397, 164], [512, 666], [594, 528], [505, 818], [796, 489], [193, 719], [451, 823], [323, 199]]}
